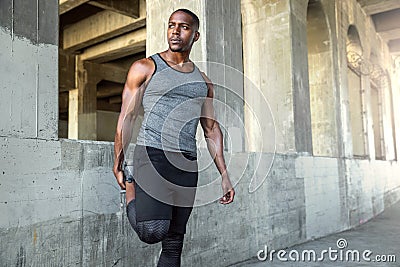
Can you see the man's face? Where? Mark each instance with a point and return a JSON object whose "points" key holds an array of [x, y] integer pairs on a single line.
{"points": [[182, 32]]}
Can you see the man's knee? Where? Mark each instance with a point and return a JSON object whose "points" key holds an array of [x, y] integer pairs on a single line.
{"points": [[152, 231], [173, 242]]}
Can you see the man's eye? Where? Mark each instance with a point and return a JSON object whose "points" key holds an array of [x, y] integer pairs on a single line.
{"points": [[185, 27]]}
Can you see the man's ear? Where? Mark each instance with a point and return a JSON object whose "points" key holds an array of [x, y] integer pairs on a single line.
{"points": [[196, 36]]}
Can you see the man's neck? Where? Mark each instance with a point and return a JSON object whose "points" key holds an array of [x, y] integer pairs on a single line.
{"points": [[178, 58]]}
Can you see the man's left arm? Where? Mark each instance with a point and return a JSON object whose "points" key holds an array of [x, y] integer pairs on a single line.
{"points": [[214, 139]]}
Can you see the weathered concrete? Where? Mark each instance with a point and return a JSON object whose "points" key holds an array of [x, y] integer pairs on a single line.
{"points": [[28, 70], [322, 88], [85, 205], [260, 52], [78, 202]]}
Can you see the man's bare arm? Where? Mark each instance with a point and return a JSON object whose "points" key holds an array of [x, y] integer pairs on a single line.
{"points": [[132, 95], [214, 139]]}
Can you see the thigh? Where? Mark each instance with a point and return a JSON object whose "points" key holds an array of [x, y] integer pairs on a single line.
{"points": [[180, 217], [151, 196], [184, 197], [184, 193], [150, 208], [164, 190]]}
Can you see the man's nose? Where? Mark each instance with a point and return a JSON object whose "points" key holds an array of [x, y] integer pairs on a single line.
{"points": [[176, 30]]}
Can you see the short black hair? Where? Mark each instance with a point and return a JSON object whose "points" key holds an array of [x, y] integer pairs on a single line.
{"points": [[195, 18]]}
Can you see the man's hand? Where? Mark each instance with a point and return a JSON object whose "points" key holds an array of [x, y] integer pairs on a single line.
{"points": [[228, 191], [119, 175]]}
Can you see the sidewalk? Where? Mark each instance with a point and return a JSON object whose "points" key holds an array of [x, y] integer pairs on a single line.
{"points": [[380, 235]]}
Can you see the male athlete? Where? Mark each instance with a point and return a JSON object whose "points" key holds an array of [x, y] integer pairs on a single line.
{"points": [[175, 96]]}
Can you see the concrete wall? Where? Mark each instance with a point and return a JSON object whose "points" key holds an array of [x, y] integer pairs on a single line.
{"points": [[106, 125], [271, 23], [60, 203], [72, 214], [28, 69]]}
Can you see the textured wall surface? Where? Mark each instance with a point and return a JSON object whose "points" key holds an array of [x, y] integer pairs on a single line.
{"points": [[71, 214], [28, 69]]}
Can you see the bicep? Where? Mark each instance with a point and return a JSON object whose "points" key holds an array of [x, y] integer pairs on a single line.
{"points": [[132, 92], [133, 89]]}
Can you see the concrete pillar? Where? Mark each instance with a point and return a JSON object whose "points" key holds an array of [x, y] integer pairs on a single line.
{"points": [[218, 53], [323, 101], [225, 68], [388, 120], [300, 84], [395, 87], [73, 114], [28, 69], [82, 124], [274, 52]]}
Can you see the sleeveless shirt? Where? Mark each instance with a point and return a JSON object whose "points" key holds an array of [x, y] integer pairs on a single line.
{"points": [[172, 104]]}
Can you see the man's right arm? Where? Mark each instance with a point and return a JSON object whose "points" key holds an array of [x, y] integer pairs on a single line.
{"points": [[136, 81]]}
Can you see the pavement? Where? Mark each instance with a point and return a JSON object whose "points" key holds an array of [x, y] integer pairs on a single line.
{"points": [[380, 236]]}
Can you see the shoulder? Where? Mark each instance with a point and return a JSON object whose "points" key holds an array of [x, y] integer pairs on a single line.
{"points": [[143, 67], [209, 83], [140, 72], [206, 79]]}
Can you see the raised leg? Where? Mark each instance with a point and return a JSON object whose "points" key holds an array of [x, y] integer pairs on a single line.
{"points": [[151, 231]]}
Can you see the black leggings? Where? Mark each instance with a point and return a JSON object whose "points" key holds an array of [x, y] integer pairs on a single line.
{"points": [[154, 231]]}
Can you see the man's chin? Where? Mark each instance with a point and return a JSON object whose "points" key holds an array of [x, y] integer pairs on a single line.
{"points": [[176, 49]]}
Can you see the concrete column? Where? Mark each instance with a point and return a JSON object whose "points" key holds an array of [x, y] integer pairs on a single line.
{"points": [[395, 86], [274, 52], [82, 124], [28, 69], [300, 84], [218, 53], [225, 68], [73, 114], [323, 101], [388, 122]]}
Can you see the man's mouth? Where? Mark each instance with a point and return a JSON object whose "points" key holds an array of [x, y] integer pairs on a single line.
{"points": [[175, 41]]}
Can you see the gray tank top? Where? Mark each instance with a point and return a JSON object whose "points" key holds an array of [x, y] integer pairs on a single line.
{"points": [[172, 104]]}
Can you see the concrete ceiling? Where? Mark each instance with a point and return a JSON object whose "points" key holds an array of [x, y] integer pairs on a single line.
{"points": [[386, 17]]}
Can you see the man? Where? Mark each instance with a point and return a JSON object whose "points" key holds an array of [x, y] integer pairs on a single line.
{"points": [[175, 95]]}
